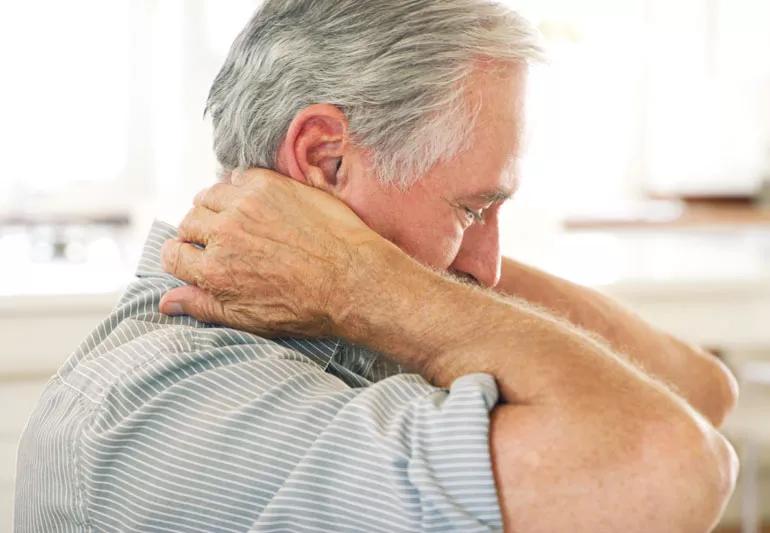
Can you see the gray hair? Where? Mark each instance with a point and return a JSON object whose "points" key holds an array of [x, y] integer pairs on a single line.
{"points": [[396, 68]]}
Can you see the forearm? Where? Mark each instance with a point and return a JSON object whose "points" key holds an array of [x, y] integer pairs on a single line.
{"points": [[693, 373], [444, 329]]}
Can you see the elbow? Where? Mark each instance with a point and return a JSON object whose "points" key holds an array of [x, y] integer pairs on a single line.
{"points": [[712, 389], [699, 470], [724, 392], [716, 476], [730, 391], [727, 467]]}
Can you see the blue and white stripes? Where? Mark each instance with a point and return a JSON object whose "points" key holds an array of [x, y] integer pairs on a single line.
{"points": [[168, 424]]}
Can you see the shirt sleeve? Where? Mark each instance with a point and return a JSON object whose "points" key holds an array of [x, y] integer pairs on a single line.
{"points": [[398, 456], [287, 447]]}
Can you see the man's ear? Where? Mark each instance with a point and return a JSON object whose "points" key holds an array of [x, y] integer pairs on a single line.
{"points": [[313, 148]]}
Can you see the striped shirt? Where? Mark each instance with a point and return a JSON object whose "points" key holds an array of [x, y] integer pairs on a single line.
{"points": [[161, 423]]}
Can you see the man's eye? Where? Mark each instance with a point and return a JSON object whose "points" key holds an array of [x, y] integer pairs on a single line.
{"points": [[474, 216]]}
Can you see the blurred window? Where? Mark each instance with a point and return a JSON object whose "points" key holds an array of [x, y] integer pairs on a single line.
{"points": [[648, 96], [67, 98], [103, 101]]}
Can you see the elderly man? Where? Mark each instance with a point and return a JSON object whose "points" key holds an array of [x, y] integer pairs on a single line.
{"points": [[533, 404]]}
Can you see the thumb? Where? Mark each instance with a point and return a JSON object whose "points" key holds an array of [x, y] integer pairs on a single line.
{"points": [[192, 301]]}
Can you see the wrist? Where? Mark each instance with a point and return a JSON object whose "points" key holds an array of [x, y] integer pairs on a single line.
{"points": [[365, 274], [416, 316], [382, 303]]}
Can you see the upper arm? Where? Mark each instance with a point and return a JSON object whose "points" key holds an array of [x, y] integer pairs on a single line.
{"points": [[283, 445], [557, 472], [400, 455]]}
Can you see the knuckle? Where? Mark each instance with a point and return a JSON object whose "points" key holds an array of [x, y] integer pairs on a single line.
{"points": [[225, 226], [217, 189], [248, 202], [195, 215], [256, 184], [209, 195], [252, 174], [187, 220], [207, 269], [244, 203], [201, 197]]}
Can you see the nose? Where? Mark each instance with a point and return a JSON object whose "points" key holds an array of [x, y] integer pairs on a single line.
{"points": [[479, 254]]}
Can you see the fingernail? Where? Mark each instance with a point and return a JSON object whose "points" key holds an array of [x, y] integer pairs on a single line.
{"points": [[174, 309]]}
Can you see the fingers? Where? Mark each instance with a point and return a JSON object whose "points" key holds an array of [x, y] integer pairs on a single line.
{"points": [[218, 197], [182, 260], [197, 226], [194, 302], [241, 178]]}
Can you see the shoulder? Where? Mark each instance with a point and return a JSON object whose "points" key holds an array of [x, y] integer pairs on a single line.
{"points": [[137, 351]]}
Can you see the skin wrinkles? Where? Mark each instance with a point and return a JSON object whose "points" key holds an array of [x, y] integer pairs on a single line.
{"points": [[360, 249], [428, 220]]}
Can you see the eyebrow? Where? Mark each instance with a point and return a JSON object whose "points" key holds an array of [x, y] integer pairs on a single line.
{"points": [[493, 196]]}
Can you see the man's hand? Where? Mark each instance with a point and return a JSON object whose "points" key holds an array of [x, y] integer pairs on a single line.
{"points": [[277, 256]]}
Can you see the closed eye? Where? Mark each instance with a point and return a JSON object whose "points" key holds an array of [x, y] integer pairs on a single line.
{"points": [[475, 216]]}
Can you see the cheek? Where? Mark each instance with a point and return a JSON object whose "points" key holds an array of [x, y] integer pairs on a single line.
{"points": [[429, 233], [435, 246]]}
